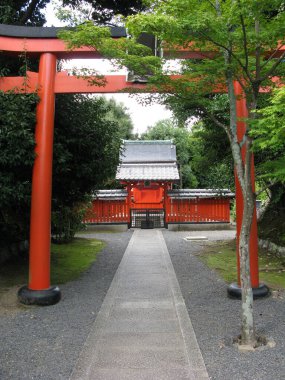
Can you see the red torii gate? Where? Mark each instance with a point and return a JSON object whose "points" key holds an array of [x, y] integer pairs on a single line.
{"points": [[43, 42]]}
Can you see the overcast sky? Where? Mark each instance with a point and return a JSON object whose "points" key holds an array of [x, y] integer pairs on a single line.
{"points": [[142, 116]]}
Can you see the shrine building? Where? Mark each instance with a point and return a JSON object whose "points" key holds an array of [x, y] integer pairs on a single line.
{"points": [[148, 171]]}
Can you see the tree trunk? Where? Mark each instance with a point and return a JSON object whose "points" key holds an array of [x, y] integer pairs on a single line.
{"points": [[248, 335], [243, 171]]}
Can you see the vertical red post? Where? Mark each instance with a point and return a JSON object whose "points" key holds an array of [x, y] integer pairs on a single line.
{"points": [[258, 290], [39, 290], [129, 203]]}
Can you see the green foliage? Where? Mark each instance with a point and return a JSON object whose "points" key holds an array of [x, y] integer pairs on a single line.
{"points": [[87, 140], [272, 224], [269, 134], [17, 120], [123, 51], [104, 11], [88, 133], [87, 143], [119, 113], [23, 12], [212, 161], [238, 33], [66, 221], [203, 153]]}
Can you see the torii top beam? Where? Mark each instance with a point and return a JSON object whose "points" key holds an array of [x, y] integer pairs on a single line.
{"points": [[38, 40], [35, 41]]}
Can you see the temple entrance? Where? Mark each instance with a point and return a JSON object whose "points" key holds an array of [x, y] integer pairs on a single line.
{"points": [[147, 218]]}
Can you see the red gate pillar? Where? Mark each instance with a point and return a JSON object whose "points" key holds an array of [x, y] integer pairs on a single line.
{"points": [[234, 290], [39, 290]]}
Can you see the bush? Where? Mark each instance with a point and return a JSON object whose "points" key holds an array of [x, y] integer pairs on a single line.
{"points": [[66, 222]]}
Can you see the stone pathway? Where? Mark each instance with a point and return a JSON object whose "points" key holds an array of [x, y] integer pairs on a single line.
{"points": [[142, 330]]}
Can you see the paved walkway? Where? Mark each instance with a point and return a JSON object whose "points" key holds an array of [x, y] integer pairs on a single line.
{"points": [[143, 330]]}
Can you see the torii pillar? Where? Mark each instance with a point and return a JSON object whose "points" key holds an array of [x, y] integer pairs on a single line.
{"points": [[234, 290], [39, 291]]}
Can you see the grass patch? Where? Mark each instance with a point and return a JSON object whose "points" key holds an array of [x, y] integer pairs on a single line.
{"points": [[222, 257], [68, 261]]}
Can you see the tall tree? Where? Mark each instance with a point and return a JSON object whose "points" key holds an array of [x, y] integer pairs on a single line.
{"points": [[104, 11], [86, 154], [245, 37], [23, 12]]}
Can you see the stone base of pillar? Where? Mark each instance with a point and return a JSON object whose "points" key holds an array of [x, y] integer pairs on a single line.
{"points": [[234, 291], [44, 297]]}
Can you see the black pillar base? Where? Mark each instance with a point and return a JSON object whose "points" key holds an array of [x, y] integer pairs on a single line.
{"points": [[44, 297], [234, 291]]}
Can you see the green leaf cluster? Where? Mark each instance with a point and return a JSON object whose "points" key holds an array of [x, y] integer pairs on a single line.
{"points": [[269, 134], [17, 121]]}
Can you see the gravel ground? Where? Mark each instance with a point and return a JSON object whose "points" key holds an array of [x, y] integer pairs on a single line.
{"points": [[216, 319], [44, 343]]}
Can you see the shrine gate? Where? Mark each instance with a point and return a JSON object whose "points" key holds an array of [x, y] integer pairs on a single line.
{"points": [[43, 43]]}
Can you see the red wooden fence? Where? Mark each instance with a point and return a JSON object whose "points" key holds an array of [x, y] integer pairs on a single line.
{"points": [[197, 210], [108, 211]]}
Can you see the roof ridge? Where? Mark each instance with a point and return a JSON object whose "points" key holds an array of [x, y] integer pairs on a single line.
{"points": [[143, 142]]}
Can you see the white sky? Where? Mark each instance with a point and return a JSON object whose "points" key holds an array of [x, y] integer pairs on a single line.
{"points": [[142, 116]]}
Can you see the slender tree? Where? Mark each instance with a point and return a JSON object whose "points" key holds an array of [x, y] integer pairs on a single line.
{"points": [[243, 39]]}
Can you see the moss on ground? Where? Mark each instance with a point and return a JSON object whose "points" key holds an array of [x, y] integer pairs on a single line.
{"points": [[221, 256], [68, 261]]}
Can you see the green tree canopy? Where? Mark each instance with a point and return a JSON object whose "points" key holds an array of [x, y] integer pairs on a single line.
{"points": [[104, 11], [23, 12], [31, 12], [88, 133]]}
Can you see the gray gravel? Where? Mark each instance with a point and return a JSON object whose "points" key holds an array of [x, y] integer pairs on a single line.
{"points": [[44, 343], [216, 319]]}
